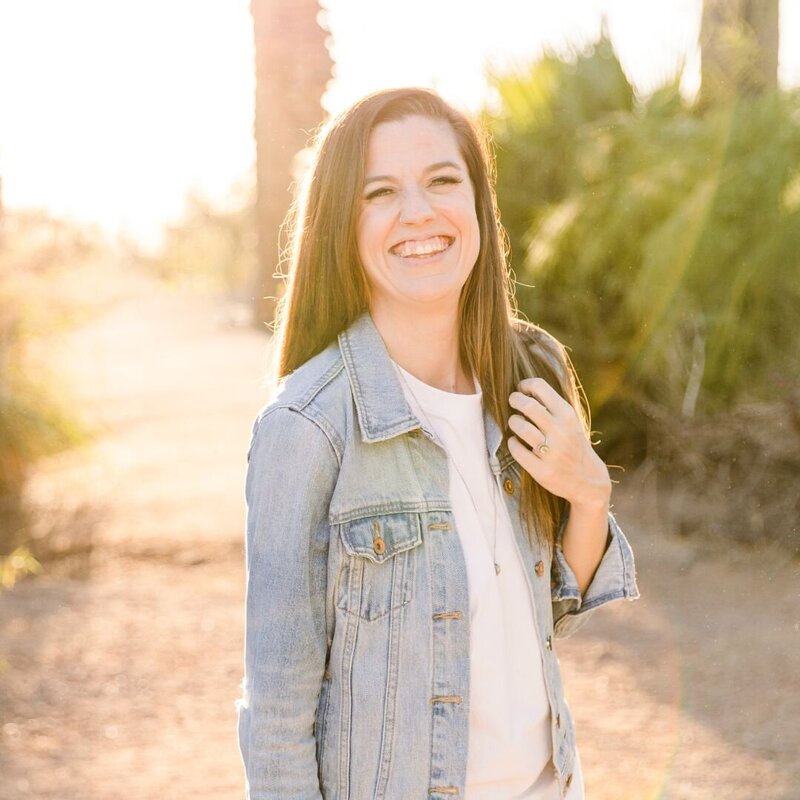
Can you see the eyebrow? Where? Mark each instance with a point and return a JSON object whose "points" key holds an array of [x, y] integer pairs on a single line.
{"points": [[431, 168]]}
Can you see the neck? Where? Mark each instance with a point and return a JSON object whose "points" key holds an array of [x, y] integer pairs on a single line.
{"points": [[426, 345]]}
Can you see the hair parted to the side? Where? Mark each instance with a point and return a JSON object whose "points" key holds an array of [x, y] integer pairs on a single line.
{"points": [[326, 286]]}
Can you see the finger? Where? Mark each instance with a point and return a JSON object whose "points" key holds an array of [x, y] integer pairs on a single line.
{"points": [[545, 393], [533, 409], [526, 459], [528, 432]]}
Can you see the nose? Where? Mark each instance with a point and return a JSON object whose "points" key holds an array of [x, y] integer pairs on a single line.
{"points": [[414, 207]]}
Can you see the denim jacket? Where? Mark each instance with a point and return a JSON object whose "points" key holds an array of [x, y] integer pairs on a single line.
{"points": [[356, 664]]}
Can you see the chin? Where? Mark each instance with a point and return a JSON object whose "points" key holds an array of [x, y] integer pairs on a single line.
{"points": [[439, 294]]}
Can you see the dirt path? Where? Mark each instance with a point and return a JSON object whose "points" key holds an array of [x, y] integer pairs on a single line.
{"points": [[124, 662]]}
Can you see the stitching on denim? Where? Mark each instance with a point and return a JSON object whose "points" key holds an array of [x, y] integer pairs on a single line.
{"points": [[403, 426], [617, 594], [323, 380], [390, 507], [289, 407]]}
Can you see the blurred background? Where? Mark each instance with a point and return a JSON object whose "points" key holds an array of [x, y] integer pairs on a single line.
{"points": [[648, 174]]}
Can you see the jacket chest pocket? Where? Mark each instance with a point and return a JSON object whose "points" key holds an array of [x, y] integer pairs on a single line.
{"points": [[380, 568]]}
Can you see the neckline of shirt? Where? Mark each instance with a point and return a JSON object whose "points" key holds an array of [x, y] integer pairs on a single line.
{"points": [[440, 403]]}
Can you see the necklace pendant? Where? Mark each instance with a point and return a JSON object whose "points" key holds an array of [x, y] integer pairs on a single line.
{"points": [[496, 568]]}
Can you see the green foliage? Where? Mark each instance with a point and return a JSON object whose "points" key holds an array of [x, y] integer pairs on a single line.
{"points": [[33, 422], [663, 246], [538, 128], [35, 252]]}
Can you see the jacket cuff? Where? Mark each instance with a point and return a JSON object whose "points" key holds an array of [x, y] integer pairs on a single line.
{"points": [[614, 579]]}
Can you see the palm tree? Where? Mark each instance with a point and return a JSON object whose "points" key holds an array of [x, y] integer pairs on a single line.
{"points": [[292, 68]]}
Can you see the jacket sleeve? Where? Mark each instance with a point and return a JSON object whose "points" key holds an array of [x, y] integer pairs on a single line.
{"points": [[614, 578], [291, 472]]}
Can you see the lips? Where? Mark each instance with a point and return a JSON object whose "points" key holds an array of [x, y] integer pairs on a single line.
{"points": [[419, 248]]}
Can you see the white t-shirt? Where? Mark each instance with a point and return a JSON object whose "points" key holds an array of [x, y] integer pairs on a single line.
{"points": [[509, 720]]}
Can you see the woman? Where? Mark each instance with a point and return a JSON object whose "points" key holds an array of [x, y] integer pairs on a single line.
{"points": [[425, 512]]}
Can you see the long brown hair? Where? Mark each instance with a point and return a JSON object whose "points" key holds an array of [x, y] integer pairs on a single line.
{"points": [[326, 287]]}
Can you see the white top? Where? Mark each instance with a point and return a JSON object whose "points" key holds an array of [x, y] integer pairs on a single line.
{"points": [[509, 716]]}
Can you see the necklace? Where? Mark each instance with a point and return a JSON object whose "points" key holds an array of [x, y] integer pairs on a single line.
{"points": [[452, 460]]}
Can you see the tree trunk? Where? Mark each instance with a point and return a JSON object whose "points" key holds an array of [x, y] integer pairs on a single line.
{"points": [[739, 49], [292, 68]]}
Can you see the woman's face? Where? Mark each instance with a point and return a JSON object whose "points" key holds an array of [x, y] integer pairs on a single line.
{"points": [[417, 230]]}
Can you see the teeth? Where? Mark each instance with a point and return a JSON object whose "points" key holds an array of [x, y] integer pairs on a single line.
{"points": [[433, 245]]}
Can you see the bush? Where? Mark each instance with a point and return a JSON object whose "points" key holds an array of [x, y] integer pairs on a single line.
{"points": [[667, 252], [34, 421], [662, 246]]}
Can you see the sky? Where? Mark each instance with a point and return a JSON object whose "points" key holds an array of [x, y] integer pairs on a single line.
{"points": [[111, 112]]}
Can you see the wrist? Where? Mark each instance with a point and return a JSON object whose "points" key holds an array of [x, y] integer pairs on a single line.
{"points": [[592, 502]]}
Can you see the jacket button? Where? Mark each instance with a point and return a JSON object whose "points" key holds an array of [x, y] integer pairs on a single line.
{"points": [[549, 642], [540, 568], [379, 546], [508, 485], [569, 780]]}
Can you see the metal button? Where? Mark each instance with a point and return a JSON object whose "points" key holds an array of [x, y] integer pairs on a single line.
{"points": [[378, 545], [549, 642], [508, 485], [540, 568], [569, 780]]}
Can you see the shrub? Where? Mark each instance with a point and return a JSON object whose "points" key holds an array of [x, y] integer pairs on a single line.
{"points": [[662, 246], [34, 420]]}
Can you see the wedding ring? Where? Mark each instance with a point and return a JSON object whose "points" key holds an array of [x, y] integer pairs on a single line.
{"points": [[543, 447]]}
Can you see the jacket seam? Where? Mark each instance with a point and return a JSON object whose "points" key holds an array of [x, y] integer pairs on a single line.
{"points": [[307, 396], [617, 594], [317, 423], [388, 508]]}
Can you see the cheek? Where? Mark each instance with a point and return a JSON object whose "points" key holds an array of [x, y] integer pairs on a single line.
{"points": [[369, 246], [469, 219], [363, 239], [370, 234]]}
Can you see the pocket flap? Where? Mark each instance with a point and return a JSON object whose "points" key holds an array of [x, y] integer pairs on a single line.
{"points": [[381, 536]]}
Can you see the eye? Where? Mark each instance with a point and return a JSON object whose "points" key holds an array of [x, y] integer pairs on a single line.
{"points": [[444, 180], [381, 191]]}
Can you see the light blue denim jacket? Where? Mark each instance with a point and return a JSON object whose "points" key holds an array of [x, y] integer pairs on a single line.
{"points": [[356, 680]]}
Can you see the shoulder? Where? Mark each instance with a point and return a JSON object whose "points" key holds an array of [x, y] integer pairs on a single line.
{"points": [[315, 395]]}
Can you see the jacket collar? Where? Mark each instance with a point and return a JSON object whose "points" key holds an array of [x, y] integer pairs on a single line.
{"points": [[381, 405]]}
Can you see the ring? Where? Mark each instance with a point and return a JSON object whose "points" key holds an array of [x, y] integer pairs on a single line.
{"points": [[543, 447]]}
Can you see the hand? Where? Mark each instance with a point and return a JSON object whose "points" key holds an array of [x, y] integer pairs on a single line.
{"points": [[570, 468]]}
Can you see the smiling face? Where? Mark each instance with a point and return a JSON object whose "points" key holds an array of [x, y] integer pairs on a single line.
{"points": [[417, 230]]}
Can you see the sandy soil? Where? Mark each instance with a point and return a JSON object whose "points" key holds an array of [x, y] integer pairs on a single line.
{"points": [[123, 660]]}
